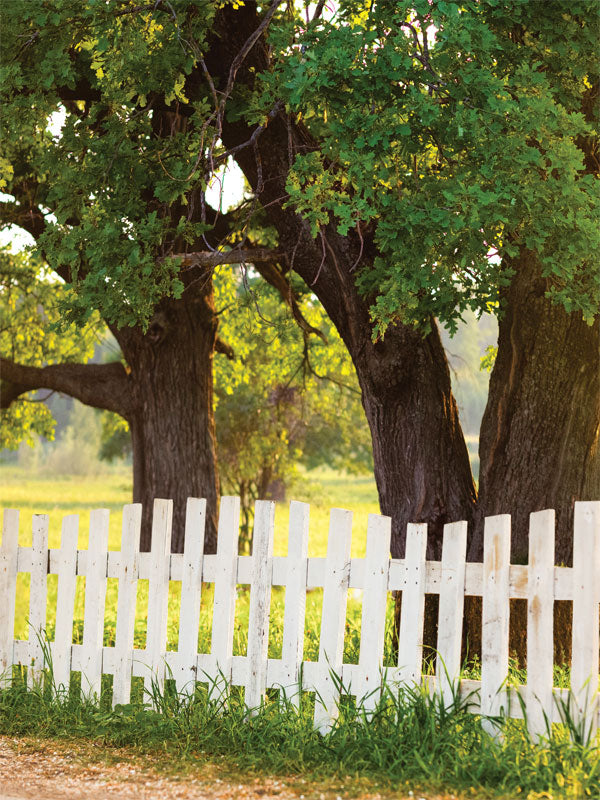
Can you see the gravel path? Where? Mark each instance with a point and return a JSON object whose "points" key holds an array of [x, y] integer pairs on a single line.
{"points": [[51, 770]]}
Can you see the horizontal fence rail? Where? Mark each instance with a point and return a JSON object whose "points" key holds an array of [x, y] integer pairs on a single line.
{"points": [[495, 580]]}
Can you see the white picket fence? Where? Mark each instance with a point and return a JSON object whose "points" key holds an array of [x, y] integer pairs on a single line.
{"points": [[496, 580]]}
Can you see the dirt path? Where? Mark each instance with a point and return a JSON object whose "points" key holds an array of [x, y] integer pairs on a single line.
{"points": [[51, 770]]}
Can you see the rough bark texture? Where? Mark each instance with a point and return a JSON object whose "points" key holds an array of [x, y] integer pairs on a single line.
{"points": [[172, 425], [538, 446]]}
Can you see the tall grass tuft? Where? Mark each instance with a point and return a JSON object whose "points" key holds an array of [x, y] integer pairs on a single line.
{"points": [[412, 738]]}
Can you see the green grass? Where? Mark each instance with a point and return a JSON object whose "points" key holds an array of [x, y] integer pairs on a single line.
{"points": [[412, 741]]}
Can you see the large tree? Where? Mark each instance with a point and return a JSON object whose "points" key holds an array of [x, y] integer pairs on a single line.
{"points": [[413, 159]]}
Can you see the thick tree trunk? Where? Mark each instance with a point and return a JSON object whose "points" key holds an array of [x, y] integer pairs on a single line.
{"points": [[539, 444], [172, 425]]}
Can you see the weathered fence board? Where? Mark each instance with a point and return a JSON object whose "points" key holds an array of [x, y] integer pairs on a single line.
{"points": [[540, 621], [496, 580]]}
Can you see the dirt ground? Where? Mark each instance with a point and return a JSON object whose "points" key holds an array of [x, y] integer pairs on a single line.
{"points": [[51, 770]]}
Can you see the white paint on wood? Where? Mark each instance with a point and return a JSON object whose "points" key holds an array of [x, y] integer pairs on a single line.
{"points": [[158, 595], [295, 602], [586, 594], [372, 626], [8, 591], [260, 603], [451, 606], [38, 594], [65, 603], [540, 623], [128, 578], [410, 640], [95, 599], [333, 619], [191, 591], [225, 578], [495, 617]]}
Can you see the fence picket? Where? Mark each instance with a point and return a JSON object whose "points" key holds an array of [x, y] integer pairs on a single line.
{"points": [[128, 581], [372, 625], [8, 591], [295, 602], [540, 623], [451, 606], [38, 592], [495, 616], [225, 591], [65, 602], [586, 594], [158, 594], [333, 618], [95, 599], [410, 639], [260, 603], [191, 591]]}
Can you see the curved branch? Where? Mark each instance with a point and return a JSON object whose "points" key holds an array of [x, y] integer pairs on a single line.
{"points": [[99, 385], [273, 276], [30, 219]]}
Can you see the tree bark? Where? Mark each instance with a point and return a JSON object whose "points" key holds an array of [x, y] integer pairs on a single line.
{"points": [[172, 423], [538, 444]]}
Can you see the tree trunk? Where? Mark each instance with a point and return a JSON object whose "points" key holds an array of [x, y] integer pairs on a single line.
{"points": [[538, 445], [545, 392], [172, 424]]}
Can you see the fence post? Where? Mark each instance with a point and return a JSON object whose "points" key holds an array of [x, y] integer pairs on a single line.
{"points": [[128, 581], [333, 618], [450, 618], [38, 593], [260, 603], [295, 600], [586, 591], [158, 594], [540, 623], [224, 597], [191, 591], [372, 625], [410, 639], [8, 591], [65, 602], [95, 599], [495, 617]]}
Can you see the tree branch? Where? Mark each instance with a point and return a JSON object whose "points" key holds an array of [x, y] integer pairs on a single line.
{"points": [[274, 277], [99, 385], [30, 219]]}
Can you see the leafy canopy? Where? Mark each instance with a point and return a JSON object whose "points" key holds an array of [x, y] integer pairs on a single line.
{"points": [[454, 129]]}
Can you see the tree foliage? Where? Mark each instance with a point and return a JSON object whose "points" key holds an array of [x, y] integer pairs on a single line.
{"points": [[453, 128], [29, 316]]}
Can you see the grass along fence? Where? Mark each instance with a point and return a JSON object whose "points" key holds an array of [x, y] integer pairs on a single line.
{"points": [[496, 580]]}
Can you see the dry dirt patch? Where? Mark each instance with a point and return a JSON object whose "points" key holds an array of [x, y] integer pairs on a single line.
{"points": [[54, 770]]}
